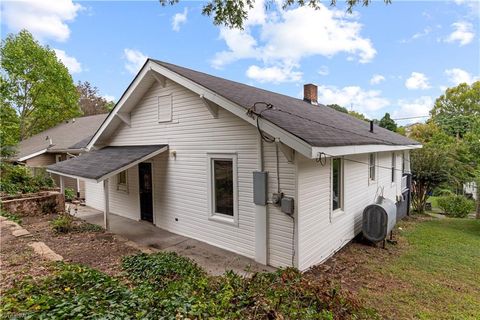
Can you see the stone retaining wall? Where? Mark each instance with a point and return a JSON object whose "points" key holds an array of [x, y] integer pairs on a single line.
{"points": [[34, 204]]}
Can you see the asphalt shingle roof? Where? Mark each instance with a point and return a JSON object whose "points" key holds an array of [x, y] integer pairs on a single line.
{"points": [[96, 164], [320, 126], [66, 135]]}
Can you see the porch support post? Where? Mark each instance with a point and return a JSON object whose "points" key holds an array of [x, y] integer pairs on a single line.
{"points": [[62, 185], [106, 210], [261, 241]]}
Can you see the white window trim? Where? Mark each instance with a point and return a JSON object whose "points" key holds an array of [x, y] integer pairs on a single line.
{"points": [[339, 211], [171, 108], [212, 215], [58, 158], [393, 170], [370, 180], [122, 186]]}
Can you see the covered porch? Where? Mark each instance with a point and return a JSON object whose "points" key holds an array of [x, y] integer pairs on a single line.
{"points": [[213, 259]]}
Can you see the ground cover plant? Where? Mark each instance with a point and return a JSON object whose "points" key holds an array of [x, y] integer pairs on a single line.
{"points": [[166, 285]]}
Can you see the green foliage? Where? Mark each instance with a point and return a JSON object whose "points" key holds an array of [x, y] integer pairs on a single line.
{"points": [[338, 108], [456, 206], [234, 13], [167, 286], [88, 227], [69, 194], [358, 115], [11, 216], [63, 223], [35, 85], [458, 109], [19, 179], [9, 128], [387, 123]]}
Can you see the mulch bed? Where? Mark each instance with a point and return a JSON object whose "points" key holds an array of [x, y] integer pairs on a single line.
{"points": [[97, 249]]}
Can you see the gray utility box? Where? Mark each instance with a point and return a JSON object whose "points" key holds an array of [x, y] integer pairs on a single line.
{"points": [[288, 206], [260, 190]]}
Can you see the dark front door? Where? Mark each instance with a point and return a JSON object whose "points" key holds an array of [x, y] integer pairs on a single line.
{"points": [[145, 186]]}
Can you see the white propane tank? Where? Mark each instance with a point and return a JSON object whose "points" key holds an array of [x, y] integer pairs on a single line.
{"points": [[379, 219]]}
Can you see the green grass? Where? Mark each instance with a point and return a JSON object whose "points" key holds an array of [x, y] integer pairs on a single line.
{"points": [[11, 216], [434, 201], [438, 275]]}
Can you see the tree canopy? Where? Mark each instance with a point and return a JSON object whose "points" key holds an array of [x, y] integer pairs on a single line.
{"points": [[234, 13], [35, 85], [456, 110], [90, 101], [388, 123]]}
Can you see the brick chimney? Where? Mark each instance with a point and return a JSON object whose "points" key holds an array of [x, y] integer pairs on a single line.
{"points": [[310, 93]]}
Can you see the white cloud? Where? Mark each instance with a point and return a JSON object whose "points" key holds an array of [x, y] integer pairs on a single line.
{"points": [[418, 107], [284, 38], [425, 32], [364, 101], [457, 76], [417, 81], [273, 74], [323, 71], [109, 97], [463, 33], [70, 62], [45, 19], [377, 78], [135, 60], [179, 19]]}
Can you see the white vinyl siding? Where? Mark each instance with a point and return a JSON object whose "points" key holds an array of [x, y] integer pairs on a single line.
{"points": [[94, 195], [319, 236], [180, 182], [165, 105]]}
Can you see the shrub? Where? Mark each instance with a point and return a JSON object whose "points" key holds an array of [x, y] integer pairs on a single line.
{"points": [[19, 179], [63, 223], [11, 216], [456, 205], [69, 194]]}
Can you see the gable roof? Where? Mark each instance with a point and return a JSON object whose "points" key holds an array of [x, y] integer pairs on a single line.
{"points": [[318, 125], [309, 129], [70, 135]]}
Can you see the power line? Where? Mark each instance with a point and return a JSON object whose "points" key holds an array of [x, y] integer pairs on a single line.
{"points": [[408, 118]]}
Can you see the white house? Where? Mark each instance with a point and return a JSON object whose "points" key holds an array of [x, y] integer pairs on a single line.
{"points": [[181, 149]]}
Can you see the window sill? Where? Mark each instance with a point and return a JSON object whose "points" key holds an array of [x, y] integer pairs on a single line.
{"points": [[223, 219], [337, 213], [122, 188]]}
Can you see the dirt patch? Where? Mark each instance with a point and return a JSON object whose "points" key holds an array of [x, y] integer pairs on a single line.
{"points": [[97, 249], [18, 261]]}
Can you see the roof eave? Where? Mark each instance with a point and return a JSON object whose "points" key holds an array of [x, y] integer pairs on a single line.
{"points": [[338, 151]]}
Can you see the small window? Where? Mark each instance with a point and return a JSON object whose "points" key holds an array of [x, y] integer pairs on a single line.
{"points": [[122, 181], [223, 179], [58, 158], [165, 108], [371, 166], [394, 166], [337, 184]]}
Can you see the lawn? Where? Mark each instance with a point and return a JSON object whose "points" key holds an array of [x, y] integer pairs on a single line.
{"points": [[438, 274]]}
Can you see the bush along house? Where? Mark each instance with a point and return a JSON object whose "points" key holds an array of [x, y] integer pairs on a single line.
{"points": [[278, 179]]}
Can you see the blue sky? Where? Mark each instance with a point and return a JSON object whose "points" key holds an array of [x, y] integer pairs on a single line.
{"points": [[396, 58]]}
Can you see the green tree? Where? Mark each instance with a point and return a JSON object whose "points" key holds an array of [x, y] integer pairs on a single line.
{"points": [[35, 84], [387, 123], [91, 102], [358, 115], [457, 110], [338, 108], [234, 13], [9, 125]]}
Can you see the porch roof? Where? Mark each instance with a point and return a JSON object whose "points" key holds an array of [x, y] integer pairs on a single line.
{"points": [[101, 164]]}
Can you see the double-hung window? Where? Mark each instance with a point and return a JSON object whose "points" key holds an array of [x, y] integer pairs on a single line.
{"points": [[371, 166], [122, 181], [337, 184], [394, 165], [222, 170]]}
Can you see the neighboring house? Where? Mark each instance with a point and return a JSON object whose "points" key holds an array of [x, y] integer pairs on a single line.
{"points": [[470, 189], [181, 149], [65, 140]]}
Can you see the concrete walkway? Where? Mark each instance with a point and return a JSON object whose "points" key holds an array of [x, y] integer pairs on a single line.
{"points": [[214, 260]]}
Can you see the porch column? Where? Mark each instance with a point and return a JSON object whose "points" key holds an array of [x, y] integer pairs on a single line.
{"points": [[106, 210], [62, 185], [261, 243]]}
